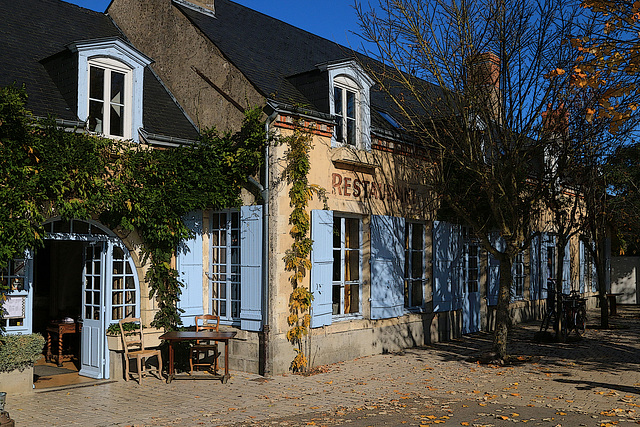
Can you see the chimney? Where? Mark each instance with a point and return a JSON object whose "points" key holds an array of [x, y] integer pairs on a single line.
{"points": [[483, 81], [555, 121]]}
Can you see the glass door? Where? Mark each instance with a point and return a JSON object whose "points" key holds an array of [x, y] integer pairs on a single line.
{"points": [[93, 332]]}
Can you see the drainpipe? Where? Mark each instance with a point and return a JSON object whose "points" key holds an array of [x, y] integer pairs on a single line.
{"points": [[264, 364]]}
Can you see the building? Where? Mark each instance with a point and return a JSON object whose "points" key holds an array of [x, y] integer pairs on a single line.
{"points": [[386, 275], [74, 62]]}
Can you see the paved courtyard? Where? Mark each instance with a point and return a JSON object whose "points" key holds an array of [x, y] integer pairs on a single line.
{"points": [[593, 381]]}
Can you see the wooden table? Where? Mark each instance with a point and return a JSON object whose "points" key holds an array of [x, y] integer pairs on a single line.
{"points": [[60, 329], [222, 337]]}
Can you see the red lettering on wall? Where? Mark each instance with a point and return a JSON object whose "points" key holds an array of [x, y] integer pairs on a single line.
{"points": [[347, 186], [356, 188], [337, 182]]}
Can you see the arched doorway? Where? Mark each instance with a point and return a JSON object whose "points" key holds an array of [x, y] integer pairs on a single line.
{"points": [[84, 274]]}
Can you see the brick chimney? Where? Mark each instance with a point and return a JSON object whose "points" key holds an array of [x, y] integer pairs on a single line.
{"points": [[555, 121], [483, 80]]}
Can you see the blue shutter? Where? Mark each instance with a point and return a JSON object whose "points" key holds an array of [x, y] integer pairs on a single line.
{"points": [[387, 267], [566, 269], [534, 263], [582, 266], [190, 271], [494, 269], [321, 267], [251, 268], [446, 265]]}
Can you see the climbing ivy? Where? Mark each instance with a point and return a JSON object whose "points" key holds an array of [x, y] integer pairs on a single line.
{"points": [[297, 257], [47, 172]]}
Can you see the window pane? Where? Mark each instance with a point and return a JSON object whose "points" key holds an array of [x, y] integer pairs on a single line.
{"points": [[351, 105], [352, 228], [337, 232], [352, 266], [18, 267], [335, 299], [96, 83], [351, 298], [80, 227], [337, 101], [117, 88], [95, 116], [417, 237], [416, 265], [117, 120], [336, 265], [351, 132], [416, 293]]}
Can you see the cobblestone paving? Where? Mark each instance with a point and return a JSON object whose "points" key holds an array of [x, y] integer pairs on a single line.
{"points": [[592, 381]]}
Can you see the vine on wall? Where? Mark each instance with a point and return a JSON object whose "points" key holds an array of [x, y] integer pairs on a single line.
{"points": [[297, 257], [48, 172]]}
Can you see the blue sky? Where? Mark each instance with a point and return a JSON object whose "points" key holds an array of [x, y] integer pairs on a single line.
{"points": [[335, 20]]}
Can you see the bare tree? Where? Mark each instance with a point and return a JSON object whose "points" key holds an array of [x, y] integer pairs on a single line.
{"points": [[470, 80]]}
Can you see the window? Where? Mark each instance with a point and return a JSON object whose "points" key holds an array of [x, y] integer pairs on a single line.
{"points": [[349, 103], [123, 287], [413, 264], [110, 86], [345, 100], [346, 265], [518, 276], [550, 267], [12, 311], [109, 98], [225, 271], [471, 260]]}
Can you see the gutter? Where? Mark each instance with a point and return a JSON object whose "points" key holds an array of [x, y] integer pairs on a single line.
{"points": [[163, 140], [265, 362]]}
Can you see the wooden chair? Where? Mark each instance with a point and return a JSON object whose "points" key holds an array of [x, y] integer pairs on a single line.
{"points": [[133, 343], [206, 322]]}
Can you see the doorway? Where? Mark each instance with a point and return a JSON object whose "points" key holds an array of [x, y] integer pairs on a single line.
{"points": [[83, 280]]}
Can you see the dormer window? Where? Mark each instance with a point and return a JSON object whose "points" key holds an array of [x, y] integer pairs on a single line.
{"points": [[109, 98], [110, 86], [349, 88], [345, 100]]}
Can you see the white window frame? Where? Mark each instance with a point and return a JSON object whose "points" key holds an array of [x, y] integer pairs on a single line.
{"points": [[342, 282], [408, 264], [349, 75], [226, 317], [346, 86], [112, 50], [110, 66]]}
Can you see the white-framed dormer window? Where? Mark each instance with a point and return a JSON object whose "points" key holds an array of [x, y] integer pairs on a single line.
{"points": [[109, 100], [345, 106], [349, 96], [110, 86]]}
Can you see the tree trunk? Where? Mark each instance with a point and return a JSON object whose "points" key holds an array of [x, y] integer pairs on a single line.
{"points": [[503, 319]]}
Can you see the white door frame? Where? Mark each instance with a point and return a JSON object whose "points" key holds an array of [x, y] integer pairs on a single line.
{"points": [[109, 241]]}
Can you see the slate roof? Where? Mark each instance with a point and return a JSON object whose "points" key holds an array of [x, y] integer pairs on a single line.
{"points": [[277, 57], [33, 39]]}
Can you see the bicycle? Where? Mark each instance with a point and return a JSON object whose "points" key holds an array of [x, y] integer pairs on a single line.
{"points": [[574, 314]]}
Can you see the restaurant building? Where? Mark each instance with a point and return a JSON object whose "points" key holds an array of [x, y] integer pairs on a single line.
{"points": [[386, 273]]}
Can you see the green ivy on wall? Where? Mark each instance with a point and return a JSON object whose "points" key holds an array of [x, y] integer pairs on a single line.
{"points": [[297, 257], [48, 172]]}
